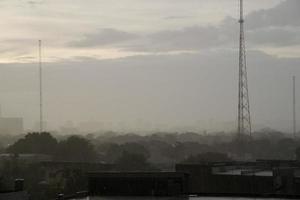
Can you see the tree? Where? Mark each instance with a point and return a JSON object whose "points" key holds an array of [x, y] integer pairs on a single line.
{"points": [[262, 148], [208, 157], [134, 147], [285, 149], [298, 153], [133, 162], [37, 143], [110, 152], [76, 149]]}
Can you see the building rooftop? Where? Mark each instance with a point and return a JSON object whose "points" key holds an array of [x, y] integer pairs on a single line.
{"points": [[246, 172], [136, 174]]}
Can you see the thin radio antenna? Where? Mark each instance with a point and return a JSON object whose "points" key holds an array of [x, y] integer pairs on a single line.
{"points": [[294, 107], [41, 86]]}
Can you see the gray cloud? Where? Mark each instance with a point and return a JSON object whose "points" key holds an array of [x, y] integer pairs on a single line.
{"points": [[32, 3], [275, 27], [178, 17], [278, 26], [284, 14], [104, 37], [274, 36], [190, 38]]}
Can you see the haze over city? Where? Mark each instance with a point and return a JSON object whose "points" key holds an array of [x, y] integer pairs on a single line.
{"points": [[148, 65], [139, 99]]}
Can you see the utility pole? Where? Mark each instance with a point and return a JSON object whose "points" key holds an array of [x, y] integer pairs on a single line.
{"points": [[41, 86], [294, 107], [244, 119]]}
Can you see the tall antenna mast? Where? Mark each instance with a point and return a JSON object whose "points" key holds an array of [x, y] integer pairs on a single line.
{"points": [[41, 86], [244, 119], [294, 106]]}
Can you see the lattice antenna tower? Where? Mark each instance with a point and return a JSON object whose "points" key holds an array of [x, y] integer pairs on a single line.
{"points": [[244, 117]]}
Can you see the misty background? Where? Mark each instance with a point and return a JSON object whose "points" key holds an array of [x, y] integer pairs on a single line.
{"points": [[159, 66]]}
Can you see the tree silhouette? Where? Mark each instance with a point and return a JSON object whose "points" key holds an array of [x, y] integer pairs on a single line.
{"points": [[133, 162], [36, 143], [298, 153], [207, 157], [76, 149]]}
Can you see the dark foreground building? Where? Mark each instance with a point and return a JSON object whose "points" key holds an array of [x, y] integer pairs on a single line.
{"points": [[138, 183], [266, 179], [17, 193], [261, 178]]}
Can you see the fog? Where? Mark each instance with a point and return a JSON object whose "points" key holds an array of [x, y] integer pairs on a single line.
{"points": [[187, 91], [164, 98], [171, 73]]}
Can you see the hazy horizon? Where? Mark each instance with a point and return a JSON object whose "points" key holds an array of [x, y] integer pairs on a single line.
{"points": [[165, 63]]}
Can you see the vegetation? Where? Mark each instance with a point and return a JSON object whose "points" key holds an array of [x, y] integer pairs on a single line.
{"points": [[131, 152], [133, 162], [207, 157], [167, 148], [37, 143], [76, 149], [298, 153]]}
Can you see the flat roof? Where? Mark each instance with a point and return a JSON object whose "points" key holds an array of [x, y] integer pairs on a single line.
{"points": [[241, 172], [136, 174]]}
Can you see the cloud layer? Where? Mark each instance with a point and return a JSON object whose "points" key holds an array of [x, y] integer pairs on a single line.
{"points": [[121, 61], [104, 37], [277, 27]]}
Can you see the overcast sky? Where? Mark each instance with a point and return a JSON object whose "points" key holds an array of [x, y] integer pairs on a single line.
{"points": [[164, 63]]}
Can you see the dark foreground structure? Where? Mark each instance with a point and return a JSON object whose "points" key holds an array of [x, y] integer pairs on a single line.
{"points": [[235, 179], [17, 193], [249, 179], [138, 183]]}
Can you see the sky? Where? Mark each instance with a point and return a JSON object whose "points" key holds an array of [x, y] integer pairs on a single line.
{"points": [[148, 65]]}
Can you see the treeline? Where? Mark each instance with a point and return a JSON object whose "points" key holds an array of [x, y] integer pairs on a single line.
{"points": [[74, 148], [160, 149], [132, 152], [129, 156], [175, 147]]}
